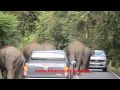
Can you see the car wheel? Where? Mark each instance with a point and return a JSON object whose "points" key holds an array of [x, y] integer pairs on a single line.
{"points": [[105, 69]]}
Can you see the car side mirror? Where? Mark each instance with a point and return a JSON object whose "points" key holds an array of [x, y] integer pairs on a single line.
{"points": [[73, 62]]}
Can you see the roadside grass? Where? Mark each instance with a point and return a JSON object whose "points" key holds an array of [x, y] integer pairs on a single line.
{"points": [[114, 69]]}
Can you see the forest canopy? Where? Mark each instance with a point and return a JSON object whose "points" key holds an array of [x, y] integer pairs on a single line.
{"points": [[95, 29]]}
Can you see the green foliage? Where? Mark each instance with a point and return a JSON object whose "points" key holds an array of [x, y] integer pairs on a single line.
{"points": [[26, 29], [8, 25], [28, 39], [95, 29], [61, 26]]}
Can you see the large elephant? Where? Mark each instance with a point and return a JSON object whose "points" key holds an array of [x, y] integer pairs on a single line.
{"points": [[11, 62], [28, 49], [48, 46], [75, 51], [87, 54]]}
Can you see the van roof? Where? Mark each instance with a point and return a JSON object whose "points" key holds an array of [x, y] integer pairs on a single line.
{"points": [[48, 54]]}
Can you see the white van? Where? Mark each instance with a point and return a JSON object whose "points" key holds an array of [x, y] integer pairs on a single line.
{"points": [[98, 60]]}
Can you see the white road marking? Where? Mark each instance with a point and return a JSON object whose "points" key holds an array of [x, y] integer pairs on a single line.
{"points": [[115, 74]]}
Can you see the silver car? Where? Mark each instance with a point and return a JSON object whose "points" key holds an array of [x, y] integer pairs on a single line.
{"points": [[47, 65], [98, 60]]}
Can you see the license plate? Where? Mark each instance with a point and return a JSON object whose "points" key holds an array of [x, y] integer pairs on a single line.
{"points": [[96, 65]]}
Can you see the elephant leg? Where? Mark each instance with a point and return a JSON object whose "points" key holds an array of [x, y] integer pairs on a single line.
{"points": [[14, 73], [87, 64], [9, 67], [4, 73], [78, 64], [19, 69], [20, 73], [81, 65], [78, 67], [1, 77], [17, 66], [84, 64], [72, 58], [71, 70], [9, 74]]}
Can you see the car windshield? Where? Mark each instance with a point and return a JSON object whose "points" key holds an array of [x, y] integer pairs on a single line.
{"points": [[99, 53], [47, 56]]}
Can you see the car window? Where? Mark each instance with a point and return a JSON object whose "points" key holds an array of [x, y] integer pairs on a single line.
{"points": [[99, 53], [47, 56]]}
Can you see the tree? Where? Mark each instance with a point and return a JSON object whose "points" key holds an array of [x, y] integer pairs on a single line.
{"points": [[8, 25]]}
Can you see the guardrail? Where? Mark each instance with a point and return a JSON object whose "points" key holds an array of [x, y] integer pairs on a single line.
{"points": [[113, 69]]}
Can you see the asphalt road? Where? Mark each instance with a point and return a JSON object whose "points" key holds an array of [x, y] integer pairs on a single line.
{"points": [[96, 74]]}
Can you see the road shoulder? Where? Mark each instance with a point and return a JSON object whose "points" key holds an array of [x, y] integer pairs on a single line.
{"points": [[114, 73]]}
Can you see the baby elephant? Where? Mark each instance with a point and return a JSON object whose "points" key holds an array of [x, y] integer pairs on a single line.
{"points": [[11, 62]]}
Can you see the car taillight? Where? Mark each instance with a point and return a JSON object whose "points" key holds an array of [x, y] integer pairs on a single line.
{"points": [[66, 71], [25, 68]]}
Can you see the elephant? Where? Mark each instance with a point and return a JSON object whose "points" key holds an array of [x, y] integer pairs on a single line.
{"points": [[29, 48], [87, 54], [11, 62], [48, 46], [75, 52]]}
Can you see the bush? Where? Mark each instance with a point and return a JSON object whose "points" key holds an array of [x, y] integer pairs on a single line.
{"points": [[8, 25]]}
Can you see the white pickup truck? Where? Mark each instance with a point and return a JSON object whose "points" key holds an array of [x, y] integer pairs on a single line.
{"points": [[98, 60]]}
